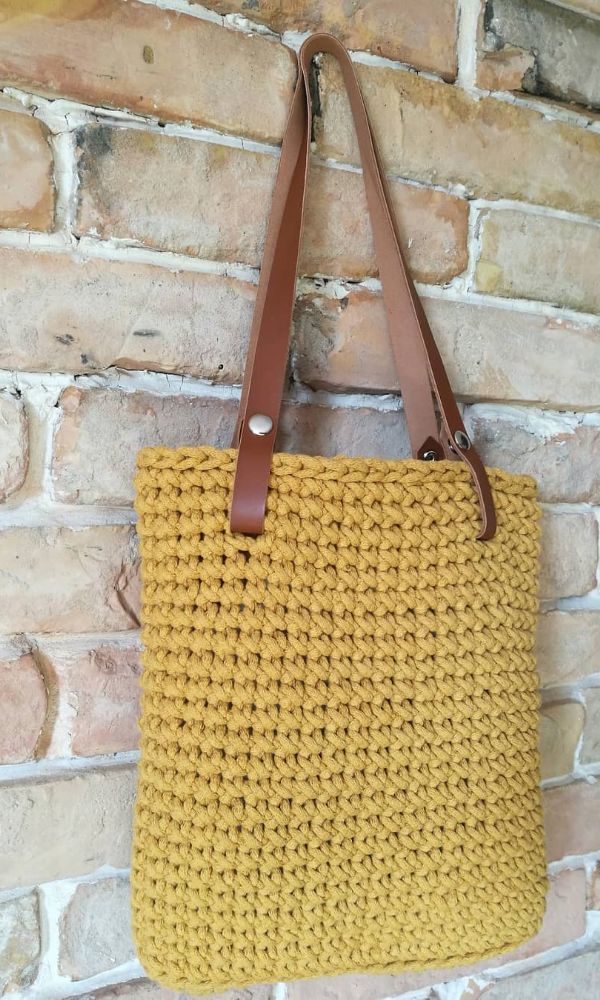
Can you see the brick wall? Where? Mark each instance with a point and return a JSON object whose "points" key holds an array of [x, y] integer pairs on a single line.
{"points": [[138, 147]]}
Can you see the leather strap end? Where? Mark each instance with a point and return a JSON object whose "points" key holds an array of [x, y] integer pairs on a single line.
{"points": [[251, 483], [484, 493]]}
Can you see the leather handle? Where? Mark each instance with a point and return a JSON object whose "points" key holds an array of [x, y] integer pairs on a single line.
{"points": [[418, 362]]}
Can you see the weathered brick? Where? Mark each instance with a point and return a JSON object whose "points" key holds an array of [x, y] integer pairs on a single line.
{"points": [[590, 749], [561, 725], [589, 6], [432, 226], [96, 570], [355, 431], [488, 352], [504, 69], [564, 921], [433, 132], [84, 467], [571, 819], [570, 979], [95, 929], [151, 61], [14, 444], [594, 893], [565, 42], [564, 457], [569, 556], [23, 706], [19, 942], [136, 185], [86, 470], [531, 256], [63, 314], [421, 33], [58, 313], [568, 646], [144, 989], [172, 193], [27, 191], [101, 689], [66, 826]]}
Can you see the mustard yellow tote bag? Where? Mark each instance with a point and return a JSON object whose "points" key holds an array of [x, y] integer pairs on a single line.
{"points": [[339, 763]]}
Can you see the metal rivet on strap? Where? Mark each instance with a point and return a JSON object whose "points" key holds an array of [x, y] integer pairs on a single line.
{"points": [[260, 424], [461, 439], [430, 456]]}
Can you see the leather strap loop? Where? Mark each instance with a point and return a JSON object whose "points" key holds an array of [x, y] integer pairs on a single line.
{"points": [[418, 362]]}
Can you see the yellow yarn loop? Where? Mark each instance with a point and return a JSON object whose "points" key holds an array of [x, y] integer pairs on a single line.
{"points": [[339, 765]]}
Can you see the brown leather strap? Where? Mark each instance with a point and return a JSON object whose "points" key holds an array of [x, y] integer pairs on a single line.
{"points": [[419, 365]]}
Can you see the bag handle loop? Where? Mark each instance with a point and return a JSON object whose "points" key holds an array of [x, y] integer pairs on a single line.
{"points": [[418, 362]]}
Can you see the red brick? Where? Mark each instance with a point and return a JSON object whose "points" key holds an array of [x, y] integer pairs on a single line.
{"points": [[144, 989], [60, 313], [568, 646], [101, 689], [436, 133], [565, 45], [571, 819], [594, 894], [14, 444], [20, 943], [152, 61], [489, 353], [590, 748], [95, 929], [68, 580], [23, 706], [135, 185], [421, 32], [505, 69], [575, 978], [565, 460], [27, 190], [67, 826], [85, 469], [589, 6], [569, 556], [561, 726], [510, 263]]}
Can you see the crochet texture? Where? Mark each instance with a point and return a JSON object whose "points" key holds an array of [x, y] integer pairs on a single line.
{"points": [[339, 765]]}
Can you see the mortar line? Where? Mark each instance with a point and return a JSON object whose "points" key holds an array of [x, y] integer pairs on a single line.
{"points": [[473, 248], [65, 182], [92, 249], [47, 110], [544, 421], [99, 874], [47, 769], [531, 208], [466, 46], [570, 690], [549, 111], [575, 7], [14, 646]]}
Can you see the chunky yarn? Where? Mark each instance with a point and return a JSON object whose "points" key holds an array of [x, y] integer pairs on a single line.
{"points": [[339, 765]]}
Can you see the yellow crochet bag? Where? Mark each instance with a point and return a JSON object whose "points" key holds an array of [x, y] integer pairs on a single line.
{"points": [[339, 764]]}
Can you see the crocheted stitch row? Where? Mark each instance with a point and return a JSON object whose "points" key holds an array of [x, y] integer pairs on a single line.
{"points": [[339, 766]]}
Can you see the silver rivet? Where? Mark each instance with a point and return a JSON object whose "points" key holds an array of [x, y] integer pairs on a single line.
{"points": [[260, 424], [461, 439], [430, 456]]}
